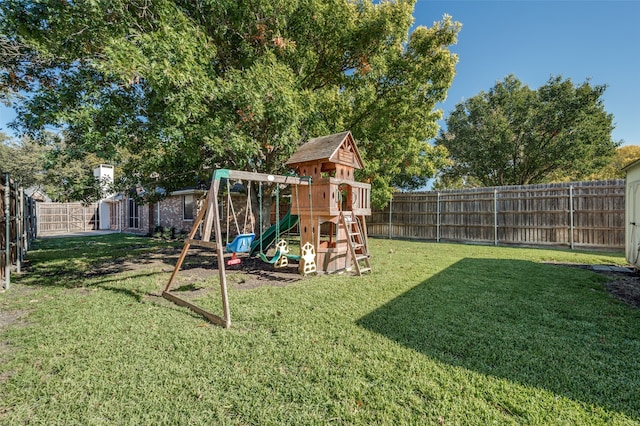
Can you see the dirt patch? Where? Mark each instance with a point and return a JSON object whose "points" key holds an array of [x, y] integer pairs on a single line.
{"points": [[9, 315], [200, 269], [623, 285], [8, 318], [626, 288]]}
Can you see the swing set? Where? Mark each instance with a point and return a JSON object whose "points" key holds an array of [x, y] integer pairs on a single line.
{"points": [[244, 242], [335, 200]]}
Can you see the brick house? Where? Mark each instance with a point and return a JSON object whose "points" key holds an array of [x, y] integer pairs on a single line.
{"points": [[178, 211]]}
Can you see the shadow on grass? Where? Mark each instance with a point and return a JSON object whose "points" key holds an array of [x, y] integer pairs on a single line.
{"points": [[537, 325]]}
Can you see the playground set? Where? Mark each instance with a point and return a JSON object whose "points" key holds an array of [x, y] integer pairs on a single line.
{"points": [[324, 194]]}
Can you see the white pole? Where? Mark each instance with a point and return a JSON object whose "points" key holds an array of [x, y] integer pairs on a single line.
{"points": [[19, 228], [495, 217], [571, 216], [438, 219], [390, 216], [7, 227]]}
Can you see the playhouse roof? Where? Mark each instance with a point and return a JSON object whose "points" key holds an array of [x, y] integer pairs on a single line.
{"points": [[326, 149]]}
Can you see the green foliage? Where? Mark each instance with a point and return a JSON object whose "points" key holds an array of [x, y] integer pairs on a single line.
{"points": [[50, 167], [169, 90], [514, 135], [438, 334], [624, 156], [24, 160]]}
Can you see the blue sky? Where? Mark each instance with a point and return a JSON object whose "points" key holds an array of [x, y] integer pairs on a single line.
{"points": [[596, 40], [534, 40]]}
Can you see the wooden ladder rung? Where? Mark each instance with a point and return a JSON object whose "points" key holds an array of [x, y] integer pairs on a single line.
{"points": [[357, 246]]}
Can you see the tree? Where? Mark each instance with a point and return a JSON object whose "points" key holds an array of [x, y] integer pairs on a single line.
{"points": [[23, 160], [170, 90], [48, 167], [624, 156], [513, 135]]}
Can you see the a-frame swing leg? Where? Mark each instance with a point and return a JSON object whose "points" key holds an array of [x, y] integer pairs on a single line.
{"points": [[211, 217], [185, 248]]}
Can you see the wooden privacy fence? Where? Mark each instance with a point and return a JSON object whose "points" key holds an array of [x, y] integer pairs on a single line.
{"points": [[586, 214], [66, 218], [17, 227]]}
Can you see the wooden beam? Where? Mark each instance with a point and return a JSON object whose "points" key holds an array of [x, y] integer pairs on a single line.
{"points": [[221, 272], [208, 315], [200, 243], [185, 248], [259, 177]]}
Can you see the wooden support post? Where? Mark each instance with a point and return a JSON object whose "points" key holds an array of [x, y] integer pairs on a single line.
{"points": [[209, 219], [185, 248], [221, 267]]}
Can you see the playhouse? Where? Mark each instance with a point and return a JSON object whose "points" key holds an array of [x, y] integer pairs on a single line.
{"points": [[335, 199], [328, 204]]}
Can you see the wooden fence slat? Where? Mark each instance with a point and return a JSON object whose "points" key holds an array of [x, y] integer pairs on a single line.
{"points": [[576, 213], [16, 227], [62, 218]]}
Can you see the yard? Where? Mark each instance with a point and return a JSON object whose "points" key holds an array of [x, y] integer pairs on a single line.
{"points": [[438, 334]]}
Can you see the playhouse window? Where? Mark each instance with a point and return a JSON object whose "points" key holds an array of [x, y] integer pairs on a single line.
{"points": [[188, 202], [133, 214]]}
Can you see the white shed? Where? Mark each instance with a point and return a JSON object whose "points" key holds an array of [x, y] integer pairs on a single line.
{"points": [[632, 213]]}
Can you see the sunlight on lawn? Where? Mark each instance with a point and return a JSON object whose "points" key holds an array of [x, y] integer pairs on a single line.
{"points": [[438, 334]]}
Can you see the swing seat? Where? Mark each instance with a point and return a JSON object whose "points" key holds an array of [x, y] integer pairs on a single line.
{"points": [[234, 260], [271, 261], [241, 243]]}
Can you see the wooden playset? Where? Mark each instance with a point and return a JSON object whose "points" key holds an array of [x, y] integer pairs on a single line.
{"points": [[327, 203]]}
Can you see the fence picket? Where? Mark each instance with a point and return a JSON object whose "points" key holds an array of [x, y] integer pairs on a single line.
{"points": [[17, 228], [584, 214]]}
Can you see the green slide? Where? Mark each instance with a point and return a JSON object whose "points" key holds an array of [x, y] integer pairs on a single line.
{"points": [[269, 236]]}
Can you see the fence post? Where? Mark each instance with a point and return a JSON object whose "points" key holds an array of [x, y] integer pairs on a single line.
{"points": [[7, 227], [571, 216], [18, 219], [495, 217], [390, 217], [37, 212], [23, 224], [438, 218]]}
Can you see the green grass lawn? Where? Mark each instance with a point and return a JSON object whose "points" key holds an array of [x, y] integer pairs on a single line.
{"points": [[438, 334]]}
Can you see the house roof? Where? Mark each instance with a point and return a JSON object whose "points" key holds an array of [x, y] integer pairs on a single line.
{"points": [[188, 191], [325, 148], [37, 194], [631, 165]]}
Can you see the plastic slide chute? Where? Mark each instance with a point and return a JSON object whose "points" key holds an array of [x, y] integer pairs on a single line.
{"points": [[272, 233]]}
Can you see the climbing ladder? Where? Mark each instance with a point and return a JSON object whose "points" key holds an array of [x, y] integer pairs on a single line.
{"points": [[357, 239]]}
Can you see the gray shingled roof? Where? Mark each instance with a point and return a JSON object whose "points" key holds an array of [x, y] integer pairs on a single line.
{"points": [[321, 148]]}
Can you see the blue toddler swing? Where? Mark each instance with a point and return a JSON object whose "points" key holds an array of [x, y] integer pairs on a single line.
{"points": [[242, 241]]}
